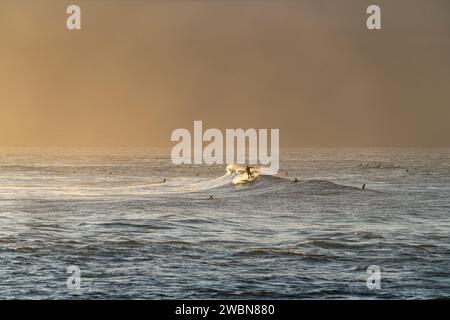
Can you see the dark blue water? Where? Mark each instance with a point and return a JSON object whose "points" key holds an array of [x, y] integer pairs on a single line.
{"points": [[132, 236]]}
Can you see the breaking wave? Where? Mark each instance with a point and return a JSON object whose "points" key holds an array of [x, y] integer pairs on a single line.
{"points": [[235, 180]]}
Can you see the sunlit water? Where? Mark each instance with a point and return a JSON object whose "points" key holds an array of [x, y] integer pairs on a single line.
{"points": [[133, 236]]}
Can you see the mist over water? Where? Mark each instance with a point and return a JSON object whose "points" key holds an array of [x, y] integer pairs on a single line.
{"points": [[134, 236]]}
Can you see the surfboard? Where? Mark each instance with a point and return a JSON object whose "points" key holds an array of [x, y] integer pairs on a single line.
{"points": [[243, 177]]}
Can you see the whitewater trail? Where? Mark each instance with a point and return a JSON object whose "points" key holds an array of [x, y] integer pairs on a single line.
{"points": [[235, 181]]}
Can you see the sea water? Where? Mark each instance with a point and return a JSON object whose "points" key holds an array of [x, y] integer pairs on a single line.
{"points": [[134, 236]]}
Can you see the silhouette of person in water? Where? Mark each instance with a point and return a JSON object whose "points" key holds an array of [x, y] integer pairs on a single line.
{"points": [[211, 197], [295, 180], [249, 172], [363, 186], [164, 180]]}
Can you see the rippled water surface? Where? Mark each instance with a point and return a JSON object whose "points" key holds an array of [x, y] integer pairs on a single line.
{"points": [[133, 236]]}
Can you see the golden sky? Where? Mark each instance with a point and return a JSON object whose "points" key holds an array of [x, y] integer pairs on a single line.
{"points": [[139, 69]]}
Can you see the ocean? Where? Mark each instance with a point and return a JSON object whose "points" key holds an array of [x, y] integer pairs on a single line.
{"points": [[134, 236]]}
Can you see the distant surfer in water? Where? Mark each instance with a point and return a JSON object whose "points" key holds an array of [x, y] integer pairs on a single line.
{"points": [[363, 186], [211, 197], [295, 180], [249, 172]]}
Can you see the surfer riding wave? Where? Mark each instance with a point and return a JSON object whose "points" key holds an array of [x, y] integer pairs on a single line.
{"points": [[243, 174]]}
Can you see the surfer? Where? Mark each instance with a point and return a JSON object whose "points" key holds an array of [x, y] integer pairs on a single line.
{"points": [[249, 172], [211, 197], [164, 180], [295, 180], [363, 186]]}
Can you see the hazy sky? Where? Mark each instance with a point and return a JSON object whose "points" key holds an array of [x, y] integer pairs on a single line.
{"points": [[139, 69]]}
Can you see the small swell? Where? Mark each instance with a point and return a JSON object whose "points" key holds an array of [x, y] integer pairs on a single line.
{"points": [[281, 252]]}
